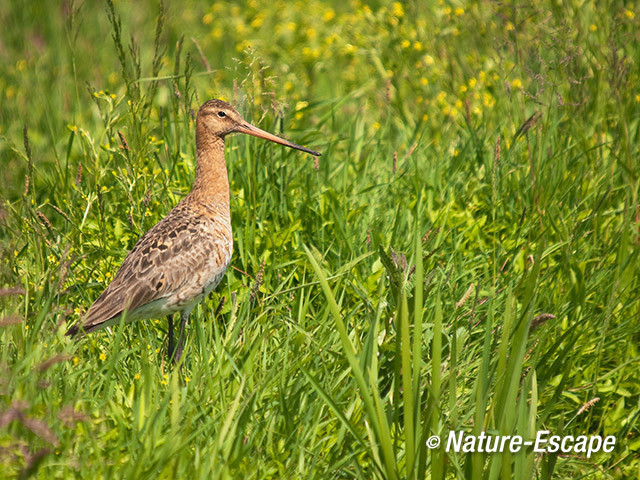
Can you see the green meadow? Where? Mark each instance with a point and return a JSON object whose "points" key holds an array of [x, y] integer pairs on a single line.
{"points": [[463, 257]]}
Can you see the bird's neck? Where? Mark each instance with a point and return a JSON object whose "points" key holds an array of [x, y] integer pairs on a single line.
{"points": [[211, 184]]}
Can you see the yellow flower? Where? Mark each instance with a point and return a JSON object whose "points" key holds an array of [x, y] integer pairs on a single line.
{"points": [[76, 360], [311, 53], [329, 15], [516, 83], [425, 117], [447, 10], [301, 105], [397, 9], [207, 19], [428, 60], [103, 356], [593, 27], [243, 45], [629, 14], [405, 44], [472, 82], [137, 376], [348, 48], [488, 100], [187, 379], [417, 46], [459, 11], [424, 81], [509, 27], [257, 21], [376, 126]]}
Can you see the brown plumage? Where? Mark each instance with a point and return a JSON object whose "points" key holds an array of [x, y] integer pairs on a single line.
{"points": [[185, 255]]}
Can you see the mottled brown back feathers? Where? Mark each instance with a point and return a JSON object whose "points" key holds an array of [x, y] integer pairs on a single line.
{"points": [[163, 263]]}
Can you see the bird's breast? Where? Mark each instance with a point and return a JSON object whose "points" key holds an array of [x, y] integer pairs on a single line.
{"points": [[209, 261], [220, 262]]}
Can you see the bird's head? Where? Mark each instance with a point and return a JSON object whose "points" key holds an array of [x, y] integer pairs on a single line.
{"points": [[220, 118]]}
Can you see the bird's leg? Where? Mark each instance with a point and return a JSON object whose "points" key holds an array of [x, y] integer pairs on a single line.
{"points": [[170, 334], [184, 316]]}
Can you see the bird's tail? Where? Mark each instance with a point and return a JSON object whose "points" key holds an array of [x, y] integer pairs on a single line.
{"points": [[76, 331], [80, 329]]}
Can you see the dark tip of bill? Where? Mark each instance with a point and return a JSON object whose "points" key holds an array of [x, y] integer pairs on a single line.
{"points": [[306, 150], [312, 152]]}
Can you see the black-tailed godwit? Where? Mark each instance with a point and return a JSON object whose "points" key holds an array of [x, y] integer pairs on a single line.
{"points": [[184, 256]]}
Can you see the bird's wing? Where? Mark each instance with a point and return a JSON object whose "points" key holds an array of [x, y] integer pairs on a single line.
{"points": [[161, 262]]}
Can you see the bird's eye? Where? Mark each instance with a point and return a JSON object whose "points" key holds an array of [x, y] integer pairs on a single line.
{"points": [[222, 114]]}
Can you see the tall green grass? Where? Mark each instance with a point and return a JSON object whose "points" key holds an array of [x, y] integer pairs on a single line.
{"points": [[464, 256]]}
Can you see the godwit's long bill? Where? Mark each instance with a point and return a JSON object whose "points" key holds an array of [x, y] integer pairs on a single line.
{"points": [[184, 256]]}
